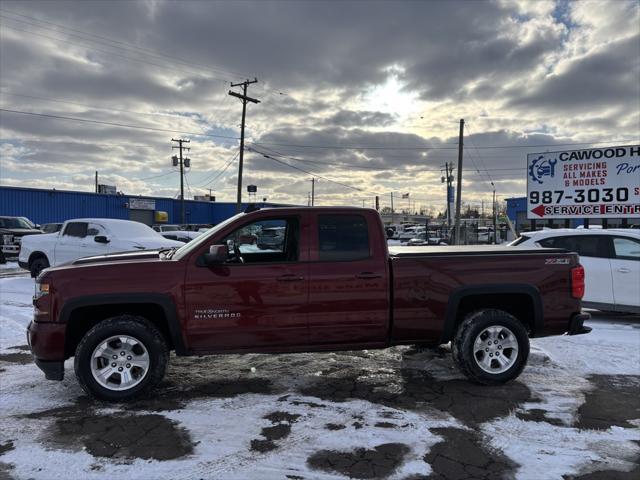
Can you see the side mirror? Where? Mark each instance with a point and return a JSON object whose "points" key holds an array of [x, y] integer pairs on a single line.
{"points": [[101, 239], [217, 254]]}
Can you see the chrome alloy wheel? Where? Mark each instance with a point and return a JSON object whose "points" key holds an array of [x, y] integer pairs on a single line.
{"points": [[495, 349], [120, 362]]}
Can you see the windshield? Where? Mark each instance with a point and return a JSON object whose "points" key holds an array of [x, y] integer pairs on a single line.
{"points": [[196, 243], [518, 241], [14, 223]]}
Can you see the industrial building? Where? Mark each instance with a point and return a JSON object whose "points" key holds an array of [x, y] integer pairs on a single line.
{"points": [[48, 206]]}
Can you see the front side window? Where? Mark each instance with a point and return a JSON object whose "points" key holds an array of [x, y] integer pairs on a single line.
{"points": [[272, 240], [626, 248], [343, 237], [76, 229]]}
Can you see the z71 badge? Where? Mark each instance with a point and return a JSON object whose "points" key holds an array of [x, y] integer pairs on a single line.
{"points": [[557, 261]]}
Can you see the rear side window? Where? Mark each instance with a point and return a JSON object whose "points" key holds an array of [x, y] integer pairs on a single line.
{"points": [[343, 237], [584, 245], [76, 229], [626, 248]]}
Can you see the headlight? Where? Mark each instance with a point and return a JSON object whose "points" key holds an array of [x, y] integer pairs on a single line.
{"points": [[42, 289], [7, 239]]}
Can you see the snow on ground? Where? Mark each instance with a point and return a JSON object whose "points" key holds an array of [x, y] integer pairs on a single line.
{"points": [[389, 413], [9, 265]]}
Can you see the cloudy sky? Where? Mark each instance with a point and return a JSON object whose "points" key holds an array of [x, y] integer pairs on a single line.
{"points": [[366, 96]]}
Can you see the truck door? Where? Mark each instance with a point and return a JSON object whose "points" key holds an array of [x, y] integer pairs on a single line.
{"points": [[348, 290], [625, 268], [70, 244], [258, 298]]}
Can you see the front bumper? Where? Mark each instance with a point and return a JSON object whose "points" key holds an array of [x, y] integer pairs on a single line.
{"points": [[576, 325], [46, 341]]}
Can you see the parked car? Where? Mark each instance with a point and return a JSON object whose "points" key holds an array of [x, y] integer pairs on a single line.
{"points": [[86, 237], [183, 236], [51, 227], [411, 232], [611, 260], [486, 235], [12, 232], [166, 228], [196, 227], [333, 285]]}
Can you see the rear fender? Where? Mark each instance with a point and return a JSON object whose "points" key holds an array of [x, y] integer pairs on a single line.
{"points": [[451, 317]]}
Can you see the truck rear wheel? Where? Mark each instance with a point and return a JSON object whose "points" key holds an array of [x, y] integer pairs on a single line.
{"points": [[121, 358], [491, 347]]}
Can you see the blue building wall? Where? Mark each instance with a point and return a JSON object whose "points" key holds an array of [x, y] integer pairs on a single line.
{"points": [[47, 206]]}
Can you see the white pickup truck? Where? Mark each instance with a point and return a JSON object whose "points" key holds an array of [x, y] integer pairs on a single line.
{"points": [[84, 237]]}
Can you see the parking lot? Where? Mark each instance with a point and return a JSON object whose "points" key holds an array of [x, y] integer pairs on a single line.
{"points": [[395, 413]]}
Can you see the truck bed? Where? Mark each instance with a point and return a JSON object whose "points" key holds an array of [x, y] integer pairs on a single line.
{"points": [[440, 251]]}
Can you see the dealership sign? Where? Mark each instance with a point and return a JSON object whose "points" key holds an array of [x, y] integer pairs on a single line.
{"points": [[593, 183]]}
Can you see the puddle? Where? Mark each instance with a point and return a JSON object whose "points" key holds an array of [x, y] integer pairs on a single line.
{"points": [[21, 347], [539, 415], [379, 462], [169, 396], [126, 436], [20, 358], [117, 435], [280, 429], [6, 447], [463, 455], [417, 389], [612, 402]]}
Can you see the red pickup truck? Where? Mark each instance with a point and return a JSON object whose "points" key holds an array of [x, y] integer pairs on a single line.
{"points": [[324, 281]]}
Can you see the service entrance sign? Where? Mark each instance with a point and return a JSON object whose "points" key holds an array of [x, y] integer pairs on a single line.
{"points": [[592, 183]]}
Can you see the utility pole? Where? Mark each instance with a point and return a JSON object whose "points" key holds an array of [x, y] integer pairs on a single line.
{"points": [[242, 96], [97, 182], [495, 218], [392, 215], [180, 161], [313, 191], [459, 184]]}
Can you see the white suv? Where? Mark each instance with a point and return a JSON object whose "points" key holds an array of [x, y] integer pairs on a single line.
{"points": [[611, 261]]}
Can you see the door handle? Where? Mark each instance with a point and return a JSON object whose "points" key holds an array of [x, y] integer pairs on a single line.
{"points": [[368, 275], [624, 270], [290, 278]]}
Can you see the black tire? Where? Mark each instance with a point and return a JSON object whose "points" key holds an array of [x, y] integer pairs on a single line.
{"points": [[469, 362], [137, 327], [37, 265]]}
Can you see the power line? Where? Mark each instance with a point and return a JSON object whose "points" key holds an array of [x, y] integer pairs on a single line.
{"points": [[155, 176], [126, 46], [114, 124], [360, 147], [307, 171], [94, 107], [486, 147], [208, 182]]}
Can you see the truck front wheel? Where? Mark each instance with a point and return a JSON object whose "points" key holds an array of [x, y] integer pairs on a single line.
{"points": [[491, 347], [121, 358], [36, 266]]}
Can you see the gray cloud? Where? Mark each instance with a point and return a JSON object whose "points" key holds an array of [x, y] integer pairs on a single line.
{"points": [[519, 79]]}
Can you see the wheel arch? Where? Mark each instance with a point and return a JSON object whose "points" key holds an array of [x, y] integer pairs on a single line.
{"points": [[519, 299], [81, 314], [37, 254]]}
